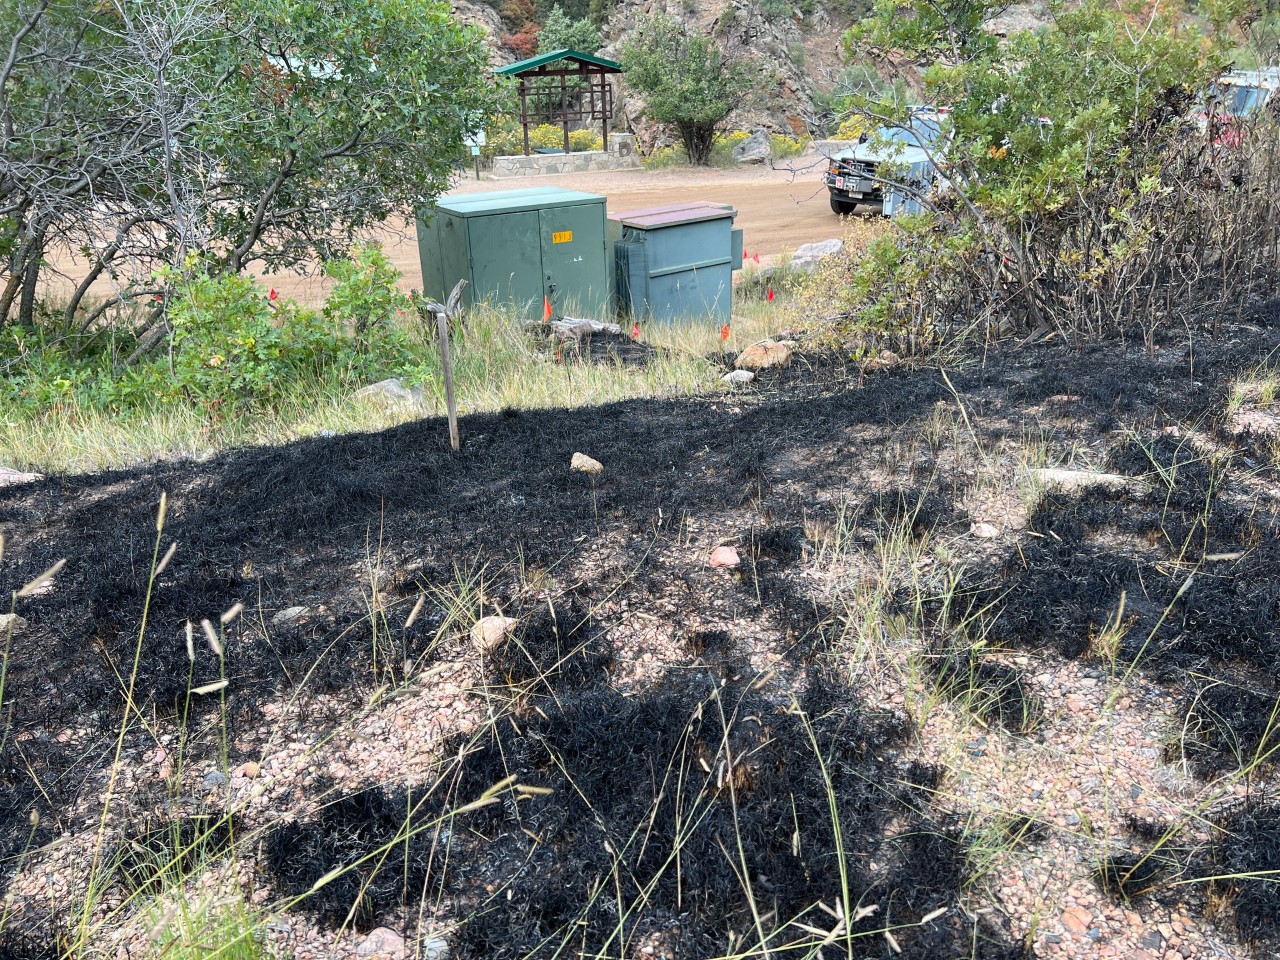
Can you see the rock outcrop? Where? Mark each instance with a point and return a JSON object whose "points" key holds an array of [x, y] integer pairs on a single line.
{"points": [[799, 55]]}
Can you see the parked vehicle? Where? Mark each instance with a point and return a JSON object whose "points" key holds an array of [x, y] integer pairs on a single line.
{"points": [[1234, 99], [890, 167], [1242, 93]]}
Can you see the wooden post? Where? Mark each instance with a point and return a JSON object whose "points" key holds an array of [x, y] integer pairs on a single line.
{"points": [[564, 109], [603, 89], [442, 328], [524, 113]]}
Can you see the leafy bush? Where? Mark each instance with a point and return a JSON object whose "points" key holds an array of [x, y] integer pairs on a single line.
{"points": [[687, 81], [722, 146], [785, 147], [850, 129], [234, 345], [561, 32], [1080, 202], [663, 158], [506, 139]]}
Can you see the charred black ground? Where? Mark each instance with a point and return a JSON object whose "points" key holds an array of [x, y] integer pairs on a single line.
{"points": [[633, 820], [302, 525]]}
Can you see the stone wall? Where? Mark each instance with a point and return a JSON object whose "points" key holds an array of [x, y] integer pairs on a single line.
{"points": [[621, 155]]}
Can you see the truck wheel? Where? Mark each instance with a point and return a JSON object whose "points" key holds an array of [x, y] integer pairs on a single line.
{"points": [[842, 207]]}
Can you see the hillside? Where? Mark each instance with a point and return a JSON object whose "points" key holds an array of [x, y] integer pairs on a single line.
{"points": [[797, 45]]}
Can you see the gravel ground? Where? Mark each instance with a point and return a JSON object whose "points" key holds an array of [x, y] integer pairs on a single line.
{"points": [[1091, 766]]}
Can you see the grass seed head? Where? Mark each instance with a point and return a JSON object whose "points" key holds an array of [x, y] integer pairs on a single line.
{"points": [[212, 637], [40, 582], [168, 555]]}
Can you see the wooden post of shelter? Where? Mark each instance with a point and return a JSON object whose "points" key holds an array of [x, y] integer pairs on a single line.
{"points": [[564, 110], [601, 83], [524, 113]]}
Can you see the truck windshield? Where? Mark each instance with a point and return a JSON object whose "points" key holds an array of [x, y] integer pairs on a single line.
{"points": [[920, 132], [1239, 100]]}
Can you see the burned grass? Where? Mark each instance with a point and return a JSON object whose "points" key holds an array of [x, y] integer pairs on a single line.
{"points": [[1177, 577], [362, 856], [1128, 876], [687, 813], [556, 646], [995, 692], [1245, 862], [305, 525], [154, 856]]}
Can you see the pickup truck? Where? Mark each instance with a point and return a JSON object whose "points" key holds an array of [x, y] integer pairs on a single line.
{"points": [[853, 176]]}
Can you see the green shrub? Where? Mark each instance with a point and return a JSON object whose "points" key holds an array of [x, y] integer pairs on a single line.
{"points": [[506, 139], [367, 297], [235, 344], [662, 158], [722, 150], [785, 147]]}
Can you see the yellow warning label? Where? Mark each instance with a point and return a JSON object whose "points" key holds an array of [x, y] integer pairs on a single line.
{"points": [[562, 236]]}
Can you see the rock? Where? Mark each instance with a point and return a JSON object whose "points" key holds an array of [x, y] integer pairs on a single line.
{"points": [[755, 149], [436, 948], [491, 631], [724, 557], [248, 770], [885, 360], [763, 356], [1072, 480], [584, 464], [381, 942], [1076, 920], [213, 780], [288, 616], [984, 531], [807, 255], [391, 392], [1242, 421], [1152, 940], [738, 378], [11, 623], [10, 477]]}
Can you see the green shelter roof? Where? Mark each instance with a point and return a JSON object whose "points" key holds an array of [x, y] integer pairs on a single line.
{"points": [[542, 59]]}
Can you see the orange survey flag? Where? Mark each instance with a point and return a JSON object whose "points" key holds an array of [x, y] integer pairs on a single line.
{"points": [[635, 330], [771, 295], [546, 309], [724, 333]]}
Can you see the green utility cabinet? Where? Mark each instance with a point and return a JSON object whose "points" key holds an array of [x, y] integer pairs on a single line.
{"points": [[517, 246], [676, 262]]}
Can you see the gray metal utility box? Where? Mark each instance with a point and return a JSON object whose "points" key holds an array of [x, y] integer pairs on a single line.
{"points": [[676, 262], [517, 246]]}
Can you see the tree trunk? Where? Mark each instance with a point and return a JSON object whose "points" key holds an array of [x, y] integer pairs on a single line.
{"points": [[24, 268], [10, 291], [698, 138], [30, 277]]}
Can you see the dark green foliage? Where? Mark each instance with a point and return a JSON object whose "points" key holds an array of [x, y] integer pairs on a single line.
{"points": [[686, 81]]}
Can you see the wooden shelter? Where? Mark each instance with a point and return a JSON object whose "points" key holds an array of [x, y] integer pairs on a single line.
{"points": [[565, 87]]}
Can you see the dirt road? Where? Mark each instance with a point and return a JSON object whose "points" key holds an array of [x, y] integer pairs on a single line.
{"points": [[778, 210]]}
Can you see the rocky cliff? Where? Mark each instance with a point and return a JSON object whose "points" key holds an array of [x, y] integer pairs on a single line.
{"points": [[799, 55], [482, 15]]}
